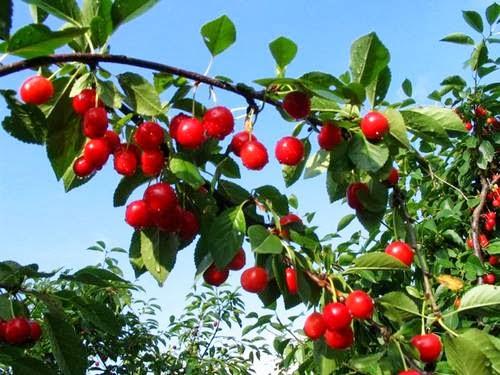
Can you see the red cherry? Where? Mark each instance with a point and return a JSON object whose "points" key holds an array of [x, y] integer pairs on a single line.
{"points": [[429, 346], [392, 179], [160, 197], [113, 140], [149, 136], [401, 251], [314, 326], [496, 203], [483, 240], [174, 124], [85, 100], [3, 325], [409, 372], [97, 151], [360, 304], [489, 278], [336, 315], [289, 150], [190, 133], [254, 155], [374, 126], [17, 331], [352, 194], [152, 162], [125, 162], [480, 111], [189, 226], [469, 243], [36, 90], [168, 221], [238, 261], [95, 122], [493, 260], [329, 136], [137, 214], [254, 279], [297, 104], [218, 122], [339, 338], [289, 219], [214, 276], [468, 126], [490, 224], [291, 280], [82, 167], [239, 140], [35, 330]]}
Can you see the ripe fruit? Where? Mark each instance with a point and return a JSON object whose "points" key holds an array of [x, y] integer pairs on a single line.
{"points": [[336, 316], [254, 155], [238, 261], [96, 152], [289, 150], [429, 346], [489, 278], [291, 280], [374, 126], [297, 104], [218, 122], [214, 276], [17, 331], [168, 221], [468, 126], [82, 167], [85, 100], [174, 124], [392, 179], [113, 140], [149, 135], [239, 139], [190, 133], [160, 197], [469, 243], [95, 122], [35, 330], [289, 219], [480, 111], [329, 136], [254, 279], [402, 251], [314, 326], [125, 162], [137, 214], [360, 304], [493, 260], [339, 338], [483, 240], [352, 194], [409, 372], [189, 226], [36, 90], [3, 325], [152, 162]]}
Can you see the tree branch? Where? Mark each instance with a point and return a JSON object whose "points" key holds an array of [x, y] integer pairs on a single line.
{"points": [[476, 215]]}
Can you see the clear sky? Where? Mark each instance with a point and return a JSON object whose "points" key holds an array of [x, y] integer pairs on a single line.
{"points": [[40, 223]]}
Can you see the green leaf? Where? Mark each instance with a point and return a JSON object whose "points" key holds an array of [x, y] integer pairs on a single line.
{"points": [[126, 187], [488, 344], [5, 19], [368, 364], [283, 51], [66, 346], [186, 171], [66, 10], [291, 174], [479, 56], [482, 300], [447, 118], [99, 315], [338, 172], [218, 34], [368, 58], [474, 20], [486, 152], [407, 87], [159, 252], [366, 155], [377, 90], [345, 221], [464, 356], [126, 10], [492, 13], [397, 127], [398, 306], [378, 261], [26, 122], [493, 247], [274, 199], [317, 164], [28, 366], [95, 276], [263, 241], [458, 38], [141, 94], [135, 256], [425, 126], [38, 40]]}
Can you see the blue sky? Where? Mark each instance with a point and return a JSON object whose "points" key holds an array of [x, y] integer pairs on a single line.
{"points": [[40, 223]]}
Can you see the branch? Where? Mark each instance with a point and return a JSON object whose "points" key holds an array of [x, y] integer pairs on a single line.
{"points": [[475, 220]]}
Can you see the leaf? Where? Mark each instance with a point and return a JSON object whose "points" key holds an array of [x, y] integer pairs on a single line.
{"points": [[377, 90], [397, 127], [425, 126], [66, 10], [368, 58], [66, 345], [218, 34], [95, 276], [488, 344], [159, 252], [125, 10], [366, 155], [486, 154], [398, 306], [186, 171], [26, 122], [141, 94], [407, 87], [273, 197], [264, 242], [479, 56], [135, 256], [126, 187], [448, 118], [458, 38], [5, 19], [493, 247], [317, 164], [464, 356], [482, 299], [99, 315], [345, 221], [283, 50], [29, 366], [291, 174], [453, 283], [492, 13], [38, 40], [378, 261], [338, 171], [474, 20]]}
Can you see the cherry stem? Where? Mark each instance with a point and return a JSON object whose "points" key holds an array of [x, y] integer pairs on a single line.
{"points": [[398, 345]]}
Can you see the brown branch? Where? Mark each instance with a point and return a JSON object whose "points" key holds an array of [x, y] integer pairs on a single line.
{"points": [[476, 215]]}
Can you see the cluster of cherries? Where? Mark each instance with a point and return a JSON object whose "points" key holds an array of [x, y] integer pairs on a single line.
{"points": [[481, 114], [20, 331]]}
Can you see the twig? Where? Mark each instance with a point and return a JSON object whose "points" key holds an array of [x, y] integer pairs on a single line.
{"points": [[476, 215]]}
